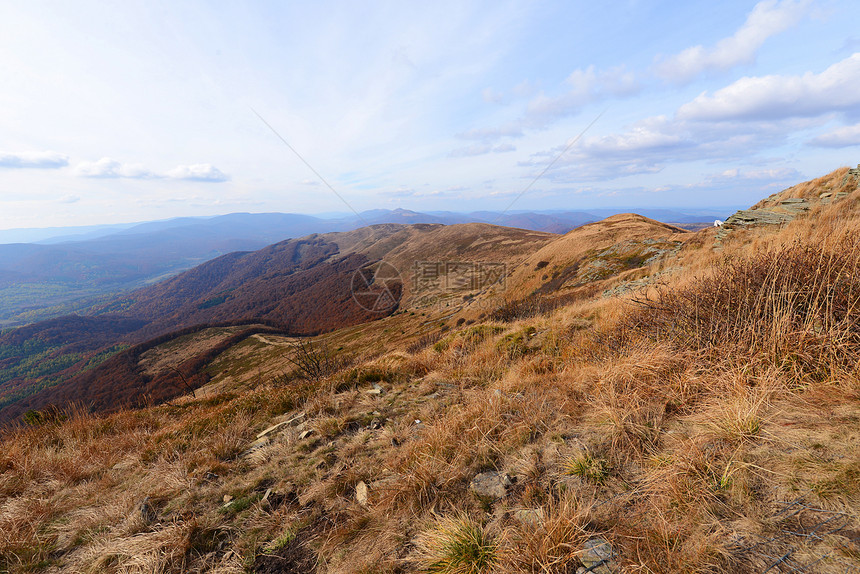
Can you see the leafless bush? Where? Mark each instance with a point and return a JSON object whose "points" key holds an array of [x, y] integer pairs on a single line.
{"points": [[531, 306], [315, 360]]}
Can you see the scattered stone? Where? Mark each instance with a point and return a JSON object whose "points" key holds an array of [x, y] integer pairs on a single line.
{"points": [[361, 493], [376, 390], [280, 425], [598, 556], [272, 429], [259, 443], [305, 434], [491, 484], [530, 516]]}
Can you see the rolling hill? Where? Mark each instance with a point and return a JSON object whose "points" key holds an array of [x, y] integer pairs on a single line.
{"points": [[688, 403], [77, 268], [298, 287]]}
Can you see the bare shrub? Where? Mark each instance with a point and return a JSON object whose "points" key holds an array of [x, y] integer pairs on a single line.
{"points": [[796, 306], [314, 361]]}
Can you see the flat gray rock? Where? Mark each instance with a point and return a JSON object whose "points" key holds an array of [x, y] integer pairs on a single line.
{"points": [[491, 484], [598, 556]]}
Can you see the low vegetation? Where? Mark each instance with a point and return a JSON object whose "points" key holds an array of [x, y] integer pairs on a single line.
{"points": [[708, 423]]}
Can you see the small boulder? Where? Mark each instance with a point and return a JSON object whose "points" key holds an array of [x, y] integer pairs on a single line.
{"points": [[361, 494], [598, 556], [530, 516], [491, 484]]}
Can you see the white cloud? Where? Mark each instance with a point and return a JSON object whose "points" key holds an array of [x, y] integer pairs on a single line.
{"points": [[767, 19], [110, 168], [585, 86], [771, 174], [649, 145], [481, 149], [582, 87], [654, 134], [33, 160], [198, 172], [842, 137], [491, 96], [69, 199], [774, 97], [486, 134]]}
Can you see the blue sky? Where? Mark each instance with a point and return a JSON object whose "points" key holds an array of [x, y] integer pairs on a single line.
{"points": [[116, 112]]}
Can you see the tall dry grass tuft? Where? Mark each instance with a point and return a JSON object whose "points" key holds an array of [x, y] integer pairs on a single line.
{"points": [[547, 539], [795, 307], [160, 551]]}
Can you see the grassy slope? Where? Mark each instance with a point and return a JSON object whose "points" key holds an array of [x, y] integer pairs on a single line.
{"points": [[710, 429], [303, 285]]}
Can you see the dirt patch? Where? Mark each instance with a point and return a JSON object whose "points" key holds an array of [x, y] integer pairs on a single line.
{"points": [[294, 558]]}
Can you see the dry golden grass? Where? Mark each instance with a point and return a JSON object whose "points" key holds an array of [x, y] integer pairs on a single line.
{"points": [[678, 429]]}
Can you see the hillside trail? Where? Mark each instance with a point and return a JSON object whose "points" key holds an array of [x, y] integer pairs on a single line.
{"points": [[266, 341]]}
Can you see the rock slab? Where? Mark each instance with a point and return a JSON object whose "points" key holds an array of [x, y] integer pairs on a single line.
{"points": [[598, 556], [361, 493], [491, 484]]}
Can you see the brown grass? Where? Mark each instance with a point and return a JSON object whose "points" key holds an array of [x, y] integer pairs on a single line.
{"points": [[678, 427]]}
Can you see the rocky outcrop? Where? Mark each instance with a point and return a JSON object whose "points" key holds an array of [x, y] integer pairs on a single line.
{"points": [[758, 217], [852, 173], [778, 209], [491, 484]]}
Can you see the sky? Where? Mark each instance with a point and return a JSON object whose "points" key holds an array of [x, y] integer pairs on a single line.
{"points": [[131, 111]]}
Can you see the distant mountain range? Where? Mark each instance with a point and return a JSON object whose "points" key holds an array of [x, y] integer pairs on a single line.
{"points": [[301, 287], [62, 270]]}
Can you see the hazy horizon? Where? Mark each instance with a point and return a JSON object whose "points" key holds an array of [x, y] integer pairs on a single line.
{"points": [[692, 211]]}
